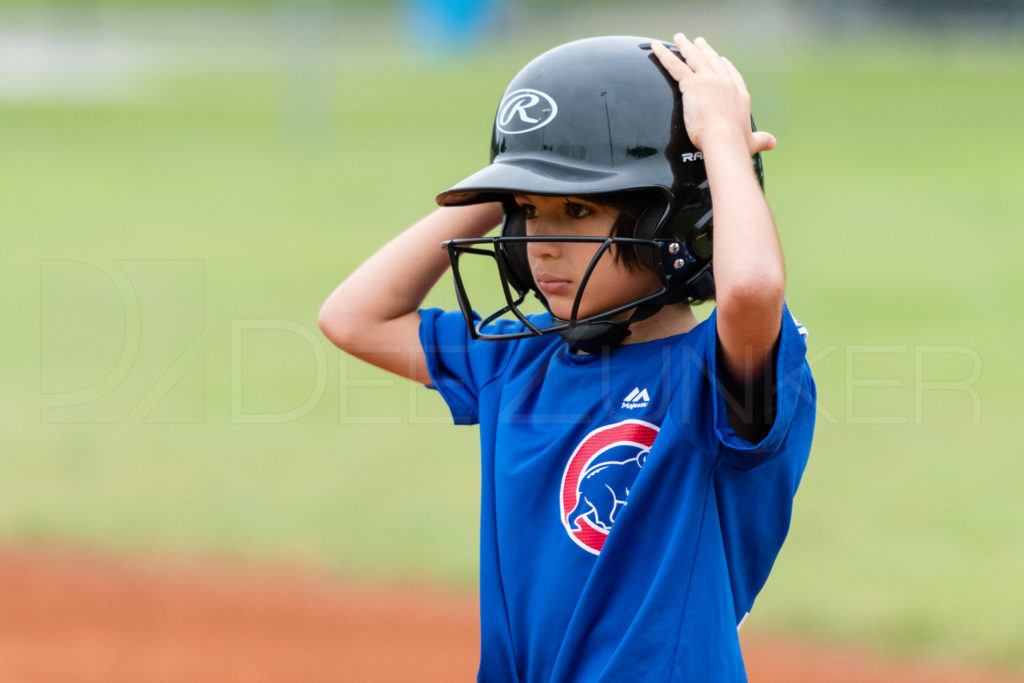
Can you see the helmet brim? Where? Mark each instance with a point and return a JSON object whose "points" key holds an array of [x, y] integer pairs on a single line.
{"points": [[527, 175]]}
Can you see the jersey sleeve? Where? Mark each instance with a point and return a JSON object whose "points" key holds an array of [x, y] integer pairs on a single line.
{"points": [[794, 400], [755, 487], [459, 365]]}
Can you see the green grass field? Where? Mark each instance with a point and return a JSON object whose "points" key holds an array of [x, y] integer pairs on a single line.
{"points": [[169, 243]]}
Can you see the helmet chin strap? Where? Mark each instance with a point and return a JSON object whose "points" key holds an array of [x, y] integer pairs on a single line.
{"points": [[595, 336]]}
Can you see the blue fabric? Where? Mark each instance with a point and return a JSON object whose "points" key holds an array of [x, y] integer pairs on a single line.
{"points": [[578, 585]]}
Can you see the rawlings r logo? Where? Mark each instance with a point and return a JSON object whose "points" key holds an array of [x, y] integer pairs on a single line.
{"points": [[524, 110]]}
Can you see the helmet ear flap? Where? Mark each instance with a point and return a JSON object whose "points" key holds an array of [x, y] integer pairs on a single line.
{"points": [[685, 263], [513, 254], [699, 237], [647, 224]]}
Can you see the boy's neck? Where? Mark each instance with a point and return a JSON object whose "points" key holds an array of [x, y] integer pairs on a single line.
{"points": [[670, 320]]}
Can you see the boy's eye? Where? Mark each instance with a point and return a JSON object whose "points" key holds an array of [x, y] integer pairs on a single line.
{"points": [[529, 210], [574, 210]]}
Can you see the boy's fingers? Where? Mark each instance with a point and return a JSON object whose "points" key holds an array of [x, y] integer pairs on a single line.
{"points": [[734, 72], [675, 66], [713, 59], [763, 142], [704, 46], [693, 56]]}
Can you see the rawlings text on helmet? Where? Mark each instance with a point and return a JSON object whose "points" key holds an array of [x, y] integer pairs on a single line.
{"points": [[524, 110]]}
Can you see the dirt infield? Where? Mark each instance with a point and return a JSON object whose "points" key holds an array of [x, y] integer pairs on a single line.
{"points": [[67, 616]]}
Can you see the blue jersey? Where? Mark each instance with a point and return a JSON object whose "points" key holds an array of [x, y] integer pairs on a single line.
{"points": [[625, 528]]}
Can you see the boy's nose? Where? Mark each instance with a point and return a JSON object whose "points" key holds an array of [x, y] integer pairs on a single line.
{"points": [[543, 227], [543, 249]]}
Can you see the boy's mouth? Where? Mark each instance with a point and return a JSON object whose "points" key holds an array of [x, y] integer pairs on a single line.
{"points": [[550, 284]]}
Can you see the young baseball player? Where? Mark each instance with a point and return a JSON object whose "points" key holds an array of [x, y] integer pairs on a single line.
{"points": [[638, 466]]}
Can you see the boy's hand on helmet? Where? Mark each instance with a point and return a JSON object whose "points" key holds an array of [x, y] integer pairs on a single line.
{"points": [[715, 98]]}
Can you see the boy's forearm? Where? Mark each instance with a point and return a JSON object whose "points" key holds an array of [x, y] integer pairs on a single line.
{"points": [[748, 265], [747, 257], [401, 274], [395, 280]]}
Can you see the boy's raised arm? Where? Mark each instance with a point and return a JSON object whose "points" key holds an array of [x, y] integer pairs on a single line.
{"points": [[373, 314], [748, 265]]}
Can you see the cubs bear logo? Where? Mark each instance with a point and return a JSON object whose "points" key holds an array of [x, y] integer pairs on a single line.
{"points": [[598, 477]]}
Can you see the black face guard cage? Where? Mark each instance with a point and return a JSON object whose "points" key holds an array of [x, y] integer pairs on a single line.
{"points": [[671, 253]]}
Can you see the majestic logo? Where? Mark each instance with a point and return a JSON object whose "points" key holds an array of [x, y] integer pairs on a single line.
{"points": [[636, 399], [598, 477], [524, 110]]}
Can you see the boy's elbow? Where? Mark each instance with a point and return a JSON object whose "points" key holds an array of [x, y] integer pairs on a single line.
{"points": [[763, 293], [336, 326], [327, 325], [353, 327]]}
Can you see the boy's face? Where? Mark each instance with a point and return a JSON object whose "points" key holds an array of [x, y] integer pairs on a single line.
{"points": [[558, 267]]}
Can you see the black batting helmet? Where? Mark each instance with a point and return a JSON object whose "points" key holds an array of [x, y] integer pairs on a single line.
{"points": [[588, 118]]}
